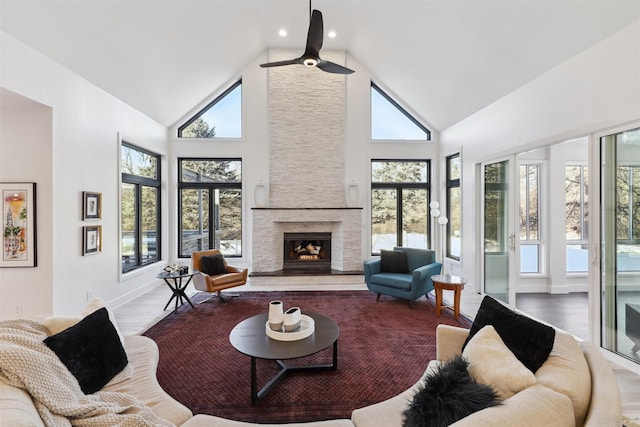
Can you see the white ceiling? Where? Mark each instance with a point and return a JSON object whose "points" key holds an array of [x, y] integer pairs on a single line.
{"points": [[444, 59]]}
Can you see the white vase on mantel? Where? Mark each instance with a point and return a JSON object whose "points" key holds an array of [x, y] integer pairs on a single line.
{"points": [[260, 198], [353, 195]]}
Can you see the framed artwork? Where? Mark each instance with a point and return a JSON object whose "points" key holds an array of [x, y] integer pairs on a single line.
{"points": [[18, 224], [91, 239], [91, 205]]}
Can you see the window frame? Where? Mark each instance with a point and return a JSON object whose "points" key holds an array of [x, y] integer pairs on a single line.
{"points": [[139, 182], [631, 170], [451, 184], [539, 242], [584, 225], [206, 108], [211, 187], [398, 187], [401, 109]]}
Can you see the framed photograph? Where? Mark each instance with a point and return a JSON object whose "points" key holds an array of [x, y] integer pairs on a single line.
{"points": [[18, 224], [91, 239], [91, 205]]}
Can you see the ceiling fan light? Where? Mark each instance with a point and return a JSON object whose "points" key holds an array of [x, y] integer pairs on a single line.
{"points": [[310, 62]]}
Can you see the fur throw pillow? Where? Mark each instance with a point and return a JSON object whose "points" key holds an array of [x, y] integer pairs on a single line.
{"points": [[447, 395]]}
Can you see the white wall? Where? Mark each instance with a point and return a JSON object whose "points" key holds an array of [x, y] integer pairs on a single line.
{"points": [[25, 156], [597, 89], [79, 152]]}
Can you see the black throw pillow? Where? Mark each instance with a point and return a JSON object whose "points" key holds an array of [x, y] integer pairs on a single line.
{"points": [[213, 264], [393, 262], [91, 350], [447, 395], [529, 340]]}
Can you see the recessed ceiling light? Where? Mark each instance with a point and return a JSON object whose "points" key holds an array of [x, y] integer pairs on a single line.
{"points": [[332, 34], [283, 33]]}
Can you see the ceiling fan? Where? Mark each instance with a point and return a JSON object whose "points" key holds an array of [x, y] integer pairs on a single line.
{"points": [[311, 55]]}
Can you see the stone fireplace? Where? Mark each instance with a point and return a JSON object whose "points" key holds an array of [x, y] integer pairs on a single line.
{"points": [[306, 189], [271, 224]]}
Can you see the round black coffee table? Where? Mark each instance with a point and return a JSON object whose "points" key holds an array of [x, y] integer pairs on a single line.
{"points": [[249, 337]]}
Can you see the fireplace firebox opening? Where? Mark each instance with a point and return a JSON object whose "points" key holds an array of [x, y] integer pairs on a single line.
{"points": [[307, 251]]}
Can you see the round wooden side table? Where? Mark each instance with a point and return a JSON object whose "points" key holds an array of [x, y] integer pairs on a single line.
{"points": [[449, 283]]}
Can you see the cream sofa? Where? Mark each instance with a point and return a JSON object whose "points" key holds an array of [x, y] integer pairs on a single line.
{"points": [[537, 405]]}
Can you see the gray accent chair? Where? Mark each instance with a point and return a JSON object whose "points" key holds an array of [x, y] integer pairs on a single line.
{"points": [[410, 286]]}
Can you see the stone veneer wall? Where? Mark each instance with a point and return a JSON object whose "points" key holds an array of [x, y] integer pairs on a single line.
{"points": [[307, 121], [307, 137]]}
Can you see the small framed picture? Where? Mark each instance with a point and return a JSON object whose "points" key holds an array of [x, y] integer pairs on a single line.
{"points": [[91, 239], [91, 205]]}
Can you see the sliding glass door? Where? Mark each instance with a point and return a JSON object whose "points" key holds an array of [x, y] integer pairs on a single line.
{"points": [[498, 235], [620, 242]]}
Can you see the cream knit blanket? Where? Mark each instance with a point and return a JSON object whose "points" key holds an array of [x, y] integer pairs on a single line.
{"points": [[27, 363]]}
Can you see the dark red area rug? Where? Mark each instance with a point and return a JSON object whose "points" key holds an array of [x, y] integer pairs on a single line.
{"points": [[383, 349]]}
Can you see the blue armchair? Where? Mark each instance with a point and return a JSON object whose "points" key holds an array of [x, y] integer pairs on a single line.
{"points": [[409, 285]]}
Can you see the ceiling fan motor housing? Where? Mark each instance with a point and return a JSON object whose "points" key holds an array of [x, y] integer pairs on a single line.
{"points": [[310, 62]]}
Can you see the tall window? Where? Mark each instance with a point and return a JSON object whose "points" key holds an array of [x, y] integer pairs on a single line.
{"points": [[210, 206], [221, 118], [399, 204], [389, 121], [139, 207], [628, 217], [454, 207], [530, 241], [577, 217]]}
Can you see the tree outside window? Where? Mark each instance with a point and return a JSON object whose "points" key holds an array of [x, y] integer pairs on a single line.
{"points": [[139, 207], [210, 206], [530, 241], [454, 207], [577, 217], [399, 204], [221, 118]]}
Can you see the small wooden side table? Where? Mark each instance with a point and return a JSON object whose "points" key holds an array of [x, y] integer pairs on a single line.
{"points": [[449, 283]]}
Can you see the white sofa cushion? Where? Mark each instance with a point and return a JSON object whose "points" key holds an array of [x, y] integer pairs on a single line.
{"points": [[17, 408], [142, 353], [566, 371], [535, 406], [57, 324], [492, 363]]}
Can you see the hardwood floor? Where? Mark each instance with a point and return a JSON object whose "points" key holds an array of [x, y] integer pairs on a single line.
{"points": [[567, 312]]}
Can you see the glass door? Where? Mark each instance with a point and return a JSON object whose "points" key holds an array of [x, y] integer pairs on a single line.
{"points": [[498, 236], [620, 243]]}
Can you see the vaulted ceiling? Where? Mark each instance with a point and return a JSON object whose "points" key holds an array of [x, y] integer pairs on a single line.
{"points": [[445, 59]]}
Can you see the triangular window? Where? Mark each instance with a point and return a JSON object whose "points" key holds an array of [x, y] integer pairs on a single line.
{"points": [[221, 118], [389, 121]]}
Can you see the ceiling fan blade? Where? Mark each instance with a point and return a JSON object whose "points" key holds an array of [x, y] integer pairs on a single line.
{"points": [[332, 67], [281, 63], [315, 35]]}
